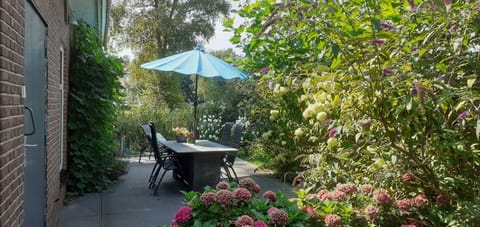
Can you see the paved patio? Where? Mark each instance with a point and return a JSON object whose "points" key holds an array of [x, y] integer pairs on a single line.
{"points": [[129, 202]]}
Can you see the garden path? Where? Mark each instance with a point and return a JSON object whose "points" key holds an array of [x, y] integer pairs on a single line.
{"points": [[129, 202]]}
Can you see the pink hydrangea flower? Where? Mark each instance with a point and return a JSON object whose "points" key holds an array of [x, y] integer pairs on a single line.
{"points": [[372, 211], [347, 188], [411, 224], [420, 200], [259, 224], [265, 69], [333, 220], [338, 196], [382, 197], [310, 211], [404, 204], [271, 209], [247, 183], [222, 185], [225, 197], [174, 223], [270, 195], [243, 194], [386, 25], [409, 177], [443, 199], [367, 188], [387, 71], [183, 214], [332, 132], [278, 217], [257, 189], [208, 198], [244, 220], [412, 4], [378, 41], [463, 115], [323, 194]]}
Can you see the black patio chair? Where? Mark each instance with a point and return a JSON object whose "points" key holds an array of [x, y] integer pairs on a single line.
{"points": [[158, 150], [230, 135], [166, 160], [148, 141]]}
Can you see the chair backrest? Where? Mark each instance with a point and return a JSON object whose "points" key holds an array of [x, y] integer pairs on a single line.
{"points": [[226, 134], [147, 132], [230, 135], [154, 142], [237, 135]]}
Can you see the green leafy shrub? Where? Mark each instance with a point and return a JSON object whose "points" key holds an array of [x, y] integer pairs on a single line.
{"points": [[94, 91], [374, 90]]}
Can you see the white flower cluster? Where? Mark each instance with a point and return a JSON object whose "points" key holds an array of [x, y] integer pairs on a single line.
{"points": [[209, 127]]}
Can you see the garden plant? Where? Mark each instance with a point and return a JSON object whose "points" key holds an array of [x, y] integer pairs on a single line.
{"points": [[371, 92]]}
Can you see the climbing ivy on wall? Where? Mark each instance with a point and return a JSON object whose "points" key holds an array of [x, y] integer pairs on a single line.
{"points": [[94, 92]]}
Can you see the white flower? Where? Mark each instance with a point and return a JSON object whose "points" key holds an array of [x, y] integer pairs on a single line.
{"points": [[322, 116], [274, 114], [332, 142], [317, 107], [267, 135], [299, 132], [307, 113]]}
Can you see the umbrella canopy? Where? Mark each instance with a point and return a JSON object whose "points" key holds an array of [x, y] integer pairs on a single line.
{"points": [[196, 62]]}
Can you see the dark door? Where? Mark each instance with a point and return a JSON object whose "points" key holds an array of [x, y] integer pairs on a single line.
{"points": [[35, 91]]}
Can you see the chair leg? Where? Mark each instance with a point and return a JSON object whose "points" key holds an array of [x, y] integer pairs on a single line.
{"points": [[156, 186], [144, 147], [153, 180], [234, 174]]}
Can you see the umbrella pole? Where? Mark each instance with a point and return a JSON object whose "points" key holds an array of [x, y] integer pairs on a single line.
{"points": [[195, 104]]}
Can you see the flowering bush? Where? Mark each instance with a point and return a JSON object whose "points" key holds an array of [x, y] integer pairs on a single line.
{"points": [[209, 127], [238, 206], [373, 90], [180, 131]]}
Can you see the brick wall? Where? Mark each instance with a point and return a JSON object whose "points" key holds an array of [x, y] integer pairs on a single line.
{"points": [[53, 12], [11, 113], [11, 107]]}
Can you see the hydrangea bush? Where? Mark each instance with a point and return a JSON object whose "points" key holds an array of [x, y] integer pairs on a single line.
{"points": [[239, 206], [368, 91]]}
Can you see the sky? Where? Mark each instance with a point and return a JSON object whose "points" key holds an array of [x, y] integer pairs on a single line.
{"points": [[221, 39]]}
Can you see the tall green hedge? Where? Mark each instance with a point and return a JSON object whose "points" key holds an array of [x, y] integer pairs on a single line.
{"points": [[94, 93]]}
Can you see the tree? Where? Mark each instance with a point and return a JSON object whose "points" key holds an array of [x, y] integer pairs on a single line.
{"points": [[157, 28]]}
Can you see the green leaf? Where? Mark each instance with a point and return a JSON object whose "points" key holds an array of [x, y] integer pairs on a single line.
{"points": [[336, 62], [442, 67]]}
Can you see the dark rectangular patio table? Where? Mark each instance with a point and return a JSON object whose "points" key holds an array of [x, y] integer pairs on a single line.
{"points": [[200, 162]]}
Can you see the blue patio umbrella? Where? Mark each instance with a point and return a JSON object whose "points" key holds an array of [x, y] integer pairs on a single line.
{"points": [[196, 62]]}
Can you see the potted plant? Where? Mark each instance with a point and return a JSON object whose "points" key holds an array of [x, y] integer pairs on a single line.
{"points": [[181, 133]]}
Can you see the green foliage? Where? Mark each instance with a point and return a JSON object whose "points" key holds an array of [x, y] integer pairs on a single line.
{"points": [[370, 90], [94, 92], [155, 29]]}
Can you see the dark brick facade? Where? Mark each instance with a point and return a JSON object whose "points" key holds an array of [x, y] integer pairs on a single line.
{"points": [[12, 150]]}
